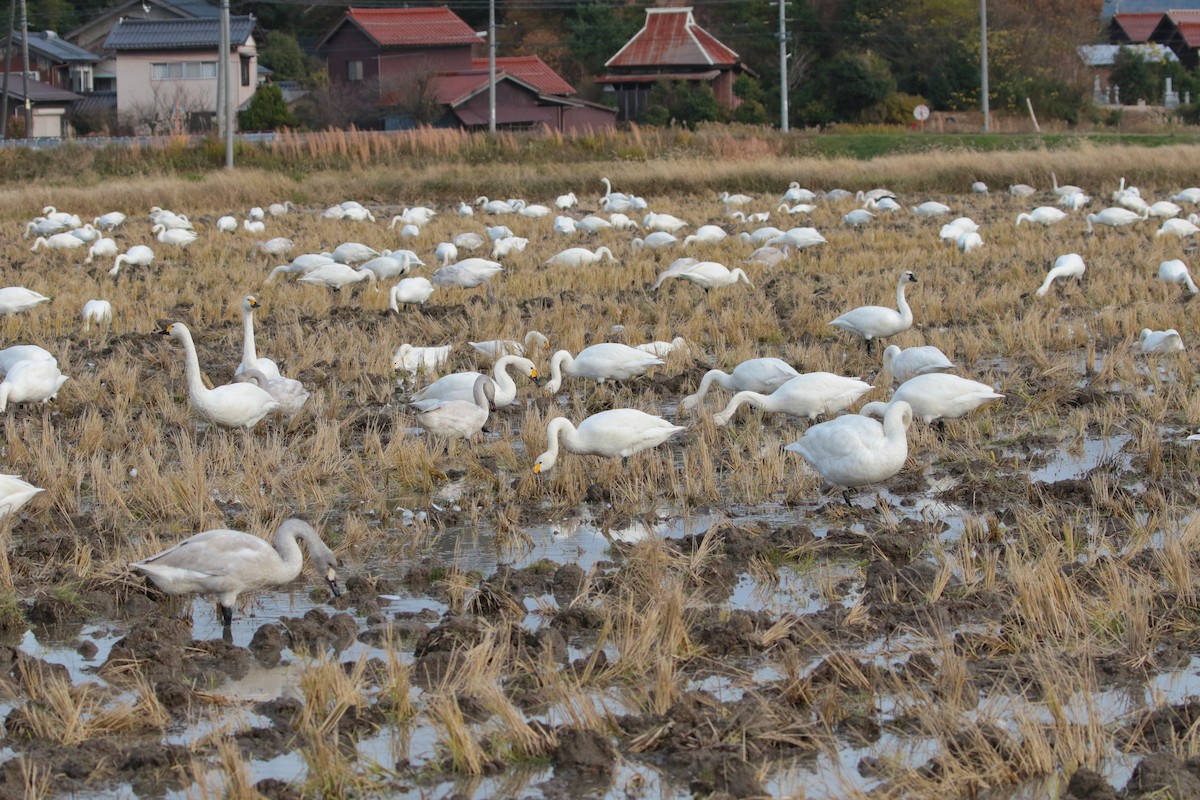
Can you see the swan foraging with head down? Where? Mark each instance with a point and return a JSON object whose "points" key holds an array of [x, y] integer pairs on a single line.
{"points": [[353, 253], [457, 419], [1042, 215], [620, 432], [762, 375], [607, 361], [931, 208], [876, 322], [103, 247], [937, 396], [1191, 195], [410, 291], [336, 276], [389, 264], [57, 241], [706, 234], [498, 348], [705, 274], [468, 273], [1179, 228], [809, 395], [460, 385], [227, 563], [656, 240], [96, 312], [31, 381], [1065, 266], [913, 361], [580, 257], [565, 201], [1021, 190], [415, 359], [798, 238], [854, 450], [278, 246], [109, 221], [858, 217], [1167, 341], [1175, 271], [234, 405], [1115, 218], [1074, 201]]}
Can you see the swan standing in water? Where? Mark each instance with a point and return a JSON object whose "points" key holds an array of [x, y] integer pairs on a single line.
{"points": [[460, 385], [913, 361], [457, 419], [810, 395], [234, 405], [1066, 266], [620, 432], [607, 361], [227, 563], [876, 322], [938, 396], [762, 375], [854, 450]]}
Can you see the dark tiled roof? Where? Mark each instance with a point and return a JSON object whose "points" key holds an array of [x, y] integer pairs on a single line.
{"points": [[95, 102], [175, 34], [49, 44], [38, 92]]}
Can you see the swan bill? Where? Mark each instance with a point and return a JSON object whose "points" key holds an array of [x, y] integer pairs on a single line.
{"points": [[331, 578]]}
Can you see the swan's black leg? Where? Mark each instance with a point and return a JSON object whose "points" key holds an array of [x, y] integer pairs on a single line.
{"points": [[846, 496], [870, 347], [226, 615]]}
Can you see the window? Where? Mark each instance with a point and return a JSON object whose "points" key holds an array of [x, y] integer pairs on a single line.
{"points": [[354, 71], [81, 78], [245, 71], [183, 71]]}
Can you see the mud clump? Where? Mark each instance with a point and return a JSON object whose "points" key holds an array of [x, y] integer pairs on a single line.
{"points": [[165, 653], [318, 632], [1164, 775], [728, 775], [584, 751], [268, 644], [1086, 784]]}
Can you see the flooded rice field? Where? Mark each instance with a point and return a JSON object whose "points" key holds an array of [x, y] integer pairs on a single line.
{"points": [[1009, 612]]}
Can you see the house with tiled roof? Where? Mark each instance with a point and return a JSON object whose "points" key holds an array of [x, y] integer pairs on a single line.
{"points": [[92, 34], [49, 104], [1174, 28], [52, 60], [166, 69], [403, 58], [672, 47]]}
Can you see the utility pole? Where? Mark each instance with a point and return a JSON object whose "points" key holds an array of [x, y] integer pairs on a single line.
{"points": [[228, 84], [12, 20], [987, 121], [222, 66], [783, 67], [491, 66], [25, 70]]}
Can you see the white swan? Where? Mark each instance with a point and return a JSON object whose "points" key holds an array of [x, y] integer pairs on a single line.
{"points": [[279, 209], [1165, 210], [1175, 271], [1191, 195], [931, 208], [70, 220], [1135, 204], [256, 214], [15, 299], [227, 563], [1021, 190], [495, 232], [607, 361], [1042, 215], [9, 356], [31, 381], [503, 248], [1065, 266], [417, 215], [43, 227], [580, 257], [389, 265], [234, 405], [623, 223], [663, 222], [414, 359], [465, 210], [495, 206], [139, 256], [353, 253], [336, 276], [460, 385], [769, 256], [98, 312], [1064, 189], [705, 234], [913, 361], [799, 238], [858, 217], [1115, 218], [760, 236], [854, 450], [762, 375], [87, 234], [103, 247], [809, 395], [1074, 201], [534, 211], [278, 246], [663, 349], [565, 201], [457, 419], [288, 392], [799, 208], [1167, 341], [565, 225], [412, 291], [57, 241], [796, 194], [445, 253], [938, 396], [109, 221], [620, 432], [885, 204], [735, 199], [497, 348], [969, 242], [180, 237], [15, 493], [227, 224], [705, 274], [656, 240], [979, 187], [250, 358], [872, 322], [468, 273], [1179, 228]]}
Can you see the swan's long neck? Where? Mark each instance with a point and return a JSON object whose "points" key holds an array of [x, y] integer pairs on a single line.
{"points": [[607, 187], [249, 352], [902, 304], [1191, 285], [562, 359], [290, 556], [894, 427], [745, 398], [196, 387], [500, 374], [559, 426]]}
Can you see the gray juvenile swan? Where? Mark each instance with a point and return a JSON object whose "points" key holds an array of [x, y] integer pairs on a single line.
{"points": [[227, 563]]}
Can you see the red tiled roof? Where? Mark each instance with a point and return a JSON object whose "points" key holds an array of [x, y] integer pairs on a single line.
{"points": [[532, 70], [671, 37], [651, 77], [453, 88], [1138, 27], [412, 27], [1190, 31], [1179, 15]]}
